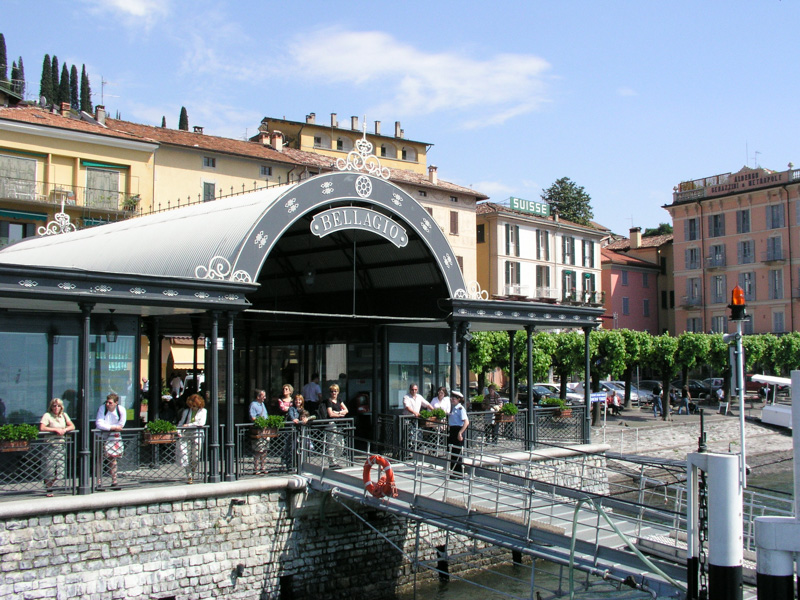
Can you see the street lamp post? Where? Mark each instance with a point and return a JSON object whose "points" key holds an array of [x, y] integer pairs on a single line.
{"points": [[738, 316]]}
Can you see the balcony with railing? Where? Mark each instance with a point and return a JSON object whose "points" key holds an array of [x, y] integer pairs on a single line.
{"points": [[43, 193], [692, 302], [716, 261], [773, 255], [588, 297]]}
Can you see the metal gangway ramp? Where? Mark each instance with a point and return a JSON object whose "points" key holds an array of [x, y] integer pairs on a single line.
{"points": [[570, 516]]}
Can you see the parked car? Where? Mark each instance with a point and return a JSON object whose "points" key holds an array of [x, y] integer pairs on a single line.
{"points": [[697, 388], [605, 386], [555, 391], [539, 391], [714, 383], [636, 395]]}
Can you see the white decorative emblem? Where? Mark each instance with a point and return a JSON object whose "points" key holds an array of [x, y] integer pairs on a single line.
{"points": [[498, 313], [66, 285], [363, 159], [60, 225], [28, 283], [261, 239], [327, 188], [137, 291], [426, 225], [231, 297], [220, 268], [201, 295], [515, 314], [562, 317], [546, 315], [474, 292], [291, 205], [448, 260], [170, 293], [397, 200], [363, 186], [481, 312], [101, 289]]}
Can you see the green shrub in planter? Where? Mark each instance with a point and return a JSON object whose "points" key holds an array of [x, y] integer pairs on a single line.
{"points": [[160, 426], [509, 408], [270, 422], [20, 432], [436, 413], [551, 402]]}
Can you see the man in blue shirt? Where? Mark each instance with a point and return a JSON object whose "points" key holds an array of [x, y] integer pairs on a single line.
{"points": [[458, 422]]}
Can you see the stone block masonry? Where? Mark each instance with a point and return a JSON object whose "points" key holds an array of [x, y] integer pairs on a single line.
{"points": [[186, 542]]}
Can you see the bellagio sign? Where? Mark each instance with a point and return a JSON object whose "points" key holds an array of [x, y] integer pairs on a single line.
{"points": [[353, 217]]}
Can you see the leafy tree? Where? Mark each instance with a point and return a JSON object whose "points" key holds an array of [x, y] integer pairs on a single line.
{"points": [[14, 76], [74, 88], [46, 82], [637, 346], [183, 121], [754, 348], [63, 86], [608, 355], [693, 348], [542, 346], [20, 78], [787, 355], [56, 99], [662, 229], [567, 357], [3, 59], [487, 350], [163, 121], [570, 200], [86, 91], [662, 359]]}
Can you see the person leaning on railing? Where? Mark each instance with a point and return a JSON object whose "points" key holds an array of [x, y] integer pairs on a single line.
{"points": [[56, 422], [110, 421], [192, 421]]}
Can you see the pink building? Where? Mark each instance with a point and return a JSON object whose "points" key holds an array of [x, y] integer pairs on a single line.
{"points": [[738, 228], [631, 299]]}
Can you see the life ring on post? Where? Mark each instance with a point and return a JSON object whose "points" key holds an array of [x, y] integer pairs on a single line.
{"points": [[385, 485]]}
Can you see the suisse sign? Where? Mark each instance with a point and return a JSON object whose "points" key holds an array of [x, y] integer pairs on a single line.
{"points": [[365, 219], [530, 206]]}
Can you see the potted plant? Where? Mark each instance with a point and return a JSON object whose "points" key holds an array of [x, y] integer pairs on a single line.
{"points": [[507, 413], [433, 418], [17, 438], [562, 410], [160, 432], [267, 427], [131, 203]]}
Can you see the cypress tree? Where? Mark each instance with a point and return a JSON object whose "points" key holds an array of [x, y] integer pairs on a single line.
{"points": [[74, 86], [63, 86], [21, 77], [86, 91], [3, 59], [55, 73], [163, 121], [46, 83], [14, 77], [183, 121]]}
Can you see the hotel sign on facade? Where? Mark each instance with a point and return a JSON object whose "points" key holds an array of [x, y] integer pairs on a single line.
{"points": [[541, 209]]}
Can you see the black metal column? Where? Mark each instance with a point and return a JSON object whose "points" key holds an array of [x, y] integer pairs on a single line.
{"points": [[230, 419], [453, 383], [214, 475], [512, 363], [530, 431], [154, 369], [465, 338], [587, 375], [84, 441]]}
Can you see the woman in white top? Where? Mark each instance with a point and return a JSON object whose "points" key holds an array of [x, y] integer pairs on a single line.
{"points": [[110, 421], [441, 400], [193, 419], [57, 422]]}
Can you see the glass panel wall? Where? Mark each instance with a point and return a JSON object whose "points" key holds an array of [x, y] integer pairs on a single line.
{"points": [[23, 376], [404, 369]]}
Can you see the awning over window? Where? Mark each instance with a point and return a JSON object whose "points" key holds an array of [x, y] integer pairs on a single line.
{"points": [[23, 214], [183, 357]]}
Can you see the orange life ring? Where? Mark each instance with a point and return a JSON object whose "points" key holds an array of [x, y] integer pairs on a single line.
{"points": [[385, 485]]}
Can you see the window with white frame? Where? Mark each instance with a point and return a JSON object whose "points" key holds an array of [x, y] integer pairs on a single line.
{"points": [[692, 258], [774, 216], [542, 244], [747, 281], [717, 255], [568, 250], [102, 188], [746, 252], [512, 273], [542, 279], [693, 290], [17, 177], [774, 248], [209, 162], [719, 291], [588, 253], [569, 282], [266, 171], [512, 239], [719, 324]]}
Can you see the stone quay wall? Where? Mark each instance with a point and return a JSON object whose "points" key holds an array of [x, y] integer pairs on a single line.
{"points": [[188, 542]]}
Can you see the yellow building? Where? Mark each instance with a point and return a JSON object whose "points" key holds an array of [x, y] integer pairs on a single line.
{"points": [[50, 159]]}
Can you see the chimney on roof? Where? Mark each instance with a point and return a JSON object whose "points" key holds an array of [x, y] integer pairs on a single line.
{"points": [[433, 175], [555, 214], [100, 114], [65, 108], [354, 123], [636, 237], [377, 127], [198, 129], [398, 133], [311, 118], [334, 122], [276, 140], [263, 137]]}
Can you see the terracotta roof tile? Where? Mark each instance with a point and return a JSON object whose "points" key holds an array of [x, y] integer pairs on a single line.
{"points": [[653, 241], [618, 258], [44, 118], [485, 208]]}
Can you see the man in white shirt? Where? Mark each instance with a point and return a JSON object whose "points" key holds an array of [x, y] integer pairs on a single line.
{"points": [[413, 402], [312, 394]]}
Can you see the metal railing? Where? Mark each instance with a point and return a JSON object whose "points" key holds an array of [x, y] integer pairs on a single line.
{"points": [[46, 464], [42, 192]]}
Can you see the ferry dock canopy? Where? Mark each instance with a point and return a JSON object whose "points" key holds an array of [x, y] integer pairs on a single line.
{"points": [[343, 274]]}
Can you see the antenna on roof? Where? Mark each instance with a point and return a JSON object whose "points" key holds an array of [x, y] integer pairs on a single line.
{"points": [[103, 83]]}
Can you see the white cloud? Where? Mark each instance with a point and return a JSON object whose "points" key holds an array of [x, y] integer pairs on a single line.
{"points": [[414, 82], [132, 12], [496, 190]]}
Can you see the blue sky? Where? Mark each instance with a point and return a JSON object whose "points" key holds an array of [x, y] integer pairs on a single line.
{"points": [[625, 98]]}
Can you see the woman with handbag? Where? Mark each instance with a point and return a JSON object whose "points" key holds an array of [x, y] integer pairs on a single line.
{"points": [[193, 420], [57, 422], [110, 421]]}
